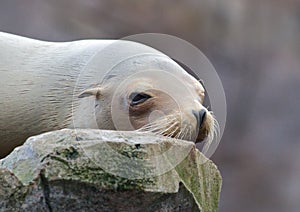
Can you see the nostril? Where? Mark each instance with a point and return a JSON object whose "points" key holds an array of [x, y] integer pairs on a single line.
{"points": [[200, 116]]}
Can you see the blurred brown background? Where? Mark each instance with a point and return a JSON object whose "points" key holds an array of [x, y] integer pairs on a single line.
{"points": [[255, 47]]}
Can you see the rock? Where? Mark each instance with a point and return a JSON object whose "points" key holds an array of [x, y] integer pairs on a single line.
{"points": [[96, 170]]}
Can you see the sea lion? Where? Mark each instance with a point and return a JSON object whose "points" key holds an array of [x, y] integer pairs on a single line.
{"points": [[106, 84]]}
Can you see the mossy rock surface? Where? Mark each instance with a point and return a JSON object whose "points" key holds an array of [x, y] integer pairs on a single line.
{"points": [[97, 170]]}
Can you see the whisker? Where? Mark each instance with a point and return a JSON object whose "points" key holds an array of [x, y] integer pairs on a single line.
{"points": [[190, 134], [159, 124], [165, 120], [170, 127], [172, 132], [214, 133], [182, 133], [152, 126]]}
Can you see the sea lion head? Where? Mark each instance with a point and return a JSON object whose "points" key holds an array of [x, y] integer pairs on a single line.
{"points": [[154, 94]]}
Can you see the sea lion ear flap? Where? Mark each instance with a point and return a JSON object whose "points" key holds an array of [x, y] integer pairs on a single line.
{"points": [[95, 91]]}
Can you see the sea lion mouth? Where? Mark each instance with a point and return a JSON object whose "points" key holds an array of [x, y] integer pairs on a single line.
{"points": [[172, 126], [209, 131]]}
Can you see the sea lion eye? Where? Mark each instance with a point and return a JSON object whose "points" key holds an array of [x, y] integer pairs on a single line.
{"points": [[137, 98]]}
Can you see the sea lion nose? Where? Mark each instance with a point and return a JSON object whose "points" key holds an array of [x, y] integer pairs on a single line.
{"points": [[200, 116]]}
